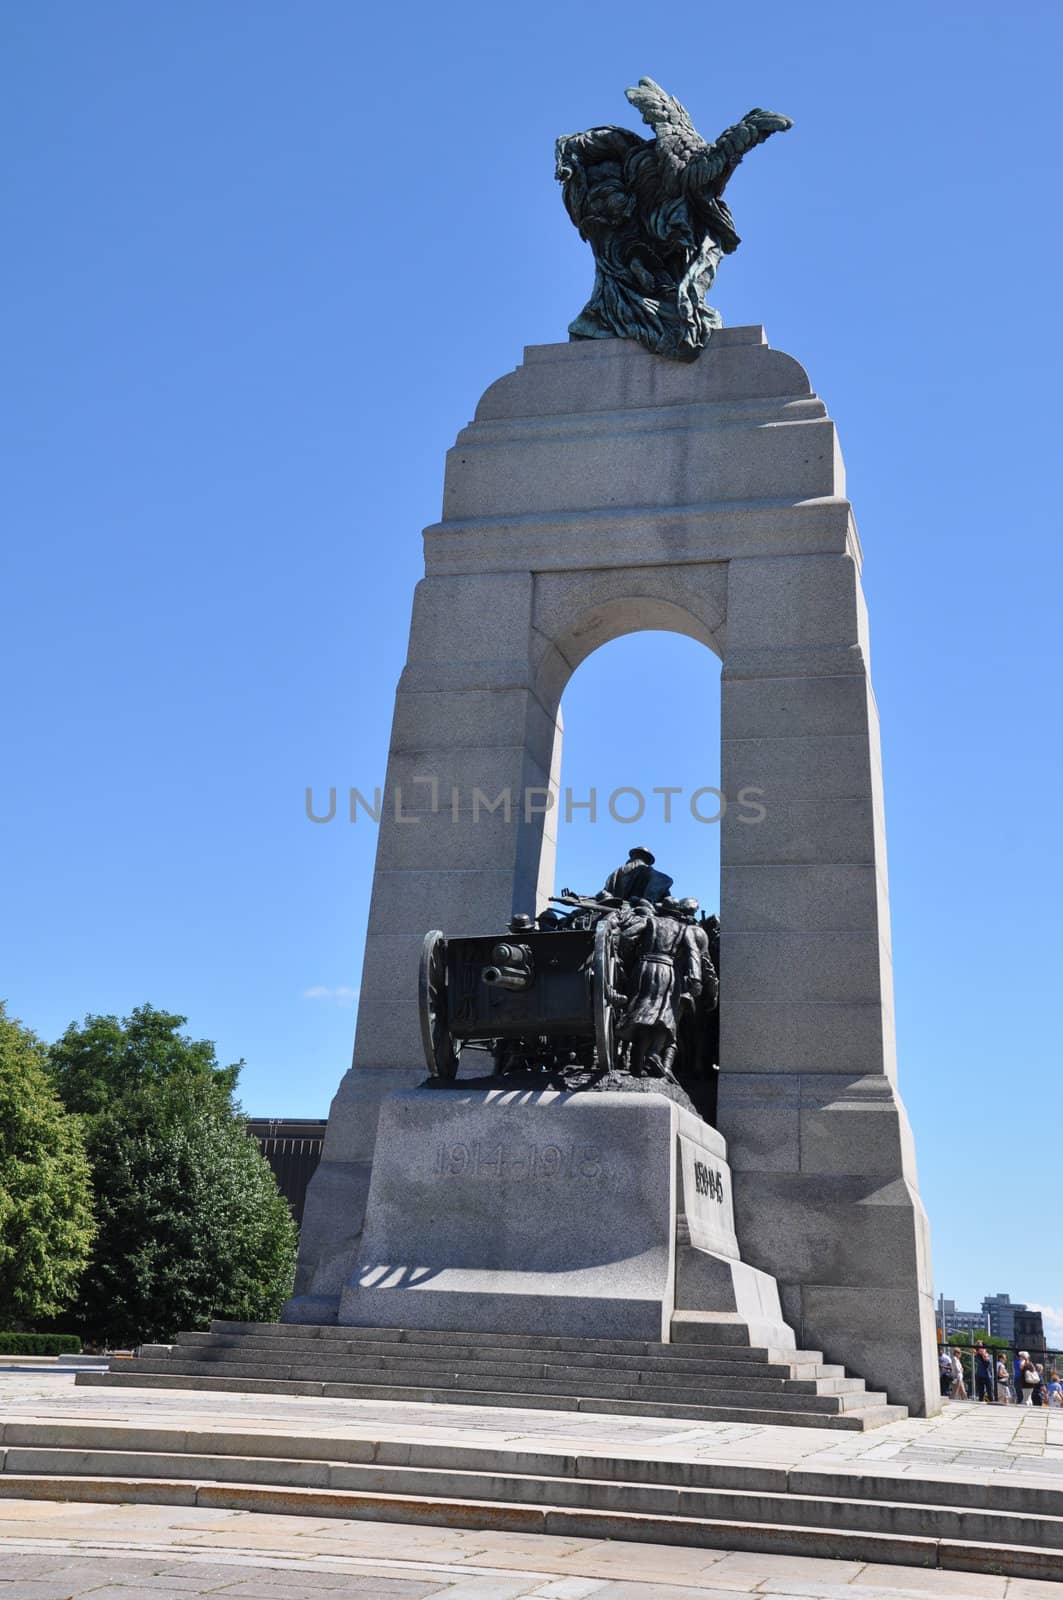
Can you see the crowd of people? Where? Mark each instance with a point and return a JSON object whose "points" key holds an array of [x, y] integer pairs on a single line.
{"points": [[997, 1381]]}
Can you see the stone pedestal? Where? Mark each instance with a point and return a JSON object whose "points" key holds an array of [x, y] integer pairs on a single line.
{"points": [[601, 490], [547, 1213]]}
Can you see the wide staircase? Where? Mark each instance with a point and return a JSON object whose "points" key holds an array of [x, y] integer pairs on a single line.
{"points": [[361, 1467], [710, 1373]]}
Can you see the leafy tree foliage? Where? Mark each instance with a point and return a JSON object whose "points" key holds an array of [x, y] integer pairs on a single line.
{"points": [[46, 1224], [966, 1341], [97, 1064], [192, 1224]]}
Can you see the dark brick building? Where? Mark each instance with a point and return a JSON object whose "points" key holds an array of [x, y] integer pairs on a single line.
{"points": [[1030, 1331], [292, 1146]]}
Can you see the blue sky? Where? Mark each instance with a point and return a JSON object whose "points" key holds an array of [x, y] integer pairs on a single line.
{"points": [[267, 256]]}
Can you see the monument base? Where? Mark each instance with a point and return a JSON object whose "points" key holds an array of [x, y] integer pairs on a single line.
{"points": [[545, 1212]]}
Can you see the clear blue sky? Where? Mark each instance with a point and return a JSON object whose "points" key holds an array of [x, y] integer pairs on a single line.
{"points": [[262, 260]]}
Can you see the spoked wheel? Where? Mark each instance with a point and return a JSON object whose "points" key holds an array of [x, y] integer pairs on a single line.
{"points": [[605, 967], [440, 1050]]}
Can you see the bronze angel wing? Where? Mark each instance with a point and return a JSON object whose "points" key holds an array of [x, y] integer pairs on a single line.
{"points": [[687, 163], [678, 141]]}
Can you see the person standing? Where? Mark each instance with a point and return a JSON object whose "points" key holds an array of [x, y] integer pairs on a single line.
{"points": [[1017, 1368], [959, 1391], [1004, 1391], [985, 1388], [1029, 1379], [947, 1371]]}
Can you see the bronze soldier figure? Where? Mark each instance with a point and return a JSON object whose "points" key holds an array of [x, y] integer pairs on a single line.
{"points": [[637, 879], [667, 970]]}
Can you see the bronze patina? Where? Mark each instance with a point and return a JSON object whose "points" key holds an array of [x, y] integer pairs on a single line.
{"points": [[612, 990], [652, 211]]}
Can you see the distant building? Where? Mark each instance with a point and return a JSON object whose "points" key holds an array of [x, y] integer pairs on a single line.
{"points": [[952, 1321], [292, 1146], [1029, 1331], [1000, 1309]]}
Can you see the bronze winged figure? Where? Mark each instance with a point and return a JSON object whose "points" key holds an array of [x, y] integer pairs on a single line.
{"points": [[652, 210]]}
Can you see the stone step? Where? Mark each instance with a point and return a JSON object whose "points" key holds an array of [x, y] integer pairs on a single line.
{"points": [[713, 1328], [770, 1393], [712, 1377], [828, 1533], [843, 1482], [875, 1415], [419, 1369], [729, 1335], [368, 1351], [597, 1494]]}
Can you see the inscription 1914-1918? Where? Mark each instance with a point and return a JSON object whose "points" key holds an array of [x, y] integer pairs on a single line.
{"points": [[489, 1160], [708, 1181]]}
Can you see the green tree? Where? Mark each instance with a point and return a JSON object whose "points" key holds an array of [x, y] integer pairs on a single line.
{"points": [[46, 1225], [192, 1224], [96, 1064], [967, 1341]]}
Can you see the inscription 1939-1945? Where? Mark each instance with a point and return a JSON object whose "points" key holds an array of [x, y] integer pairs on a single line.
{"points": [[708, 1181], [499, 1161]]}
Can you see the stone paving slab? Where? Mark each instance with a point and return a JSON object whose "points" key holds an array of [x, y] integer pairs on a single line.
{"points": [[966, 1439], [119, 1553], [55, 1551]]}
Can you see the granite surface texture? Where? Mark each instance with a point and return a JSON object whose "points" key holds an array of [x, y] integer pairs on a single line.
{"points": [[534, 1211], [599, 491]]}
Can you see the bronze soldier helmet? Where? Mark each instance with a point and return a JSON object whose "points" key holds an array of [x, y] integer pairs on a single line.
{"points": [[639, 852]]}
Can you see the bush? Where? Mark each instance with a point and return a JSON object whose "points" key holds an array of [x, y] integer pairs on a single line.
{"points": [[39, 1344]]}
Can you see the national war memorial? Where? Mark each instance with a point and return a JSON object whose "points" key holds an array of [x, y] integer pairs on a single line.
{"points": [[657, 471], [603, 1150]]}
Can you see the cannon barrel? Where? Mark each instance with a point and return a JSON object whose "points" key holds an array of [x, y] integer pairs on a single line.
{"points": [[496, 978]]}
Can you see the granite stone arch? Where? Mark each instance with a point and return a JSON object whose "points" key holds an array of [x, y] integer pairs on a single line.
{"points": [[599, 491], [573, 620]]}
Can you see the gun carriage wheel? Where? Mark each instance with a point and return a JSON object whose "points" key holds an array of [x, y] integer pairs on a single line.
{"points": [[441, 1050]]}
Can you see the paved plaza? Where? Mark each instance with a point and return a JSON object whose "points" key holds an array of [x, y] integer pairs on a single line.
{"points": [[66, 1552], [58, 1551], [966, 1438]]}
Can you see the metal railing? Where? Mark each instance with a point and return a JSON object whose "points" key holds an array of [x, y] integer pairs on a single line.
{"points": [[1050, 1362]]}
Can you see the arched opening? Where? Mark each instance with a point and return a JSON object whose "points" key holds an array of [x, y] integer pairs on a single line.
{"points": [[640, 764], [640, 767]]}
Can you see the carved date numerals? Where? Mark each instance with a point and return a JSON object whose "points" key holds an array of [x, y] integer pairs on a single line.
{"points": [[487, 1160], [708, 1181]]}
